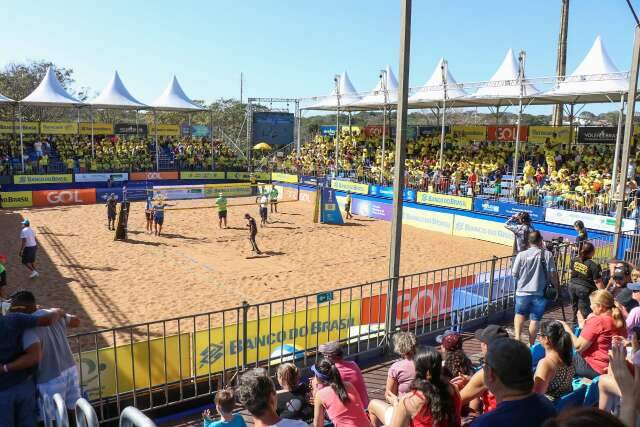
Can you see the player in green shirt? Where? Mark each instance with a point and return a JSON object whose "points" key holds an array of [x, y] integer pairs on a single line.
{"points": [[221, 203], [273, 197]]}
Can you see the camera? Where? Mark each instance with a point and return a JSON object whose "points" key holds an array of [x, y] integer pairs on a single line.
{"points": [[554, 244]]}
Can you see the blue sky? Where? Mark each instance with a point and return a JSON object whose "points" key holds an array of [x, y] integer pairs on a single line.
{"points": [[290, 48]]}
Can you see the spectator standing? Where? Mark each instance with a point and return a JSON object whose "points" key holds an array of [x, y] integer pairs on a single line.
{"points": [[582, 236], [349, 370], [258, 394], [56, 371], [533, 269], [586, 277], [554, 373], [225, 403], [507, 373], [520, 225], [28, 248]]}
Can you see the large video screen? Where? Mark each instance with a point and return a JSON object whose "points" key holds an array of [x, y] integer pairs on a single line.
{"points": [[273, 128]]}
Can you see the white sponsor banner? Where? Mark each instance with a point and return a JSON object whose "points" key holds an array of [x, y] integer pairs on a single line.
{"points": [[591, 221], [180, 192], [101, 177]]}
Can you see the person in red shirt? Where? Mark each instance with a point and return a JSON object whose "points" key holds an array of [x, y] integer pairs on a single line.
{"points": [[599, 331], [349, 370]]}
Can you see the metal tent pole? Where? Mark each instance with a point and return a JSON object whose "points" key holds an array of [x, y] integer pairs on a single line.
{"points": [[350, 132], [337, 145], [211, 134], [628, 136], [616, 158], [443, 68], [383, 75], [21, 139], [155, 131], [516, 154], [298, 135], [398, 171], [93, 150], [571, 109]]}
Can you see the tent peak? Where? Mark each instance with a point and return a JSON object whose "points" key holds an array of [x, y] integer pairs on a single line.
{"points": [[50, 92], [116, 95], [174, 98]]}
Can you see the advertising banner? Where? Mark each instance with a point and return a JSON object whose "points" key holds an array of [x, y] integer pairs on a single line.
{"points": [[507, 209], [591, 221], [312, 180], [202, 175], [469, 133], [152, 176], [246, 176], [597, 134], [103, 193], [200, 131], [368, 208], [64, 197], [375, 131], [427, 220], [431, 131], [228, 190], [329, 209], [505, 133], [181, 192], [482, 229], [382, 191], [42, 179], [27, 127], [354, 187], [284, 177], [445, 200], [355, 130], [58, 128], [16, 199], [165, 130], [328, 130], [98, 128], [130, 129], [556, 134], [101, 177], [185, 130]]}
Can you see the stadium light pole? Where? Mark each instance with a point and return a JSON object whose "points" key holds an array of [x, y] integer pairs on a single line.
{"points": [[516, 154], [444, 70], [616, 156], [383, 85], [398, 169], [628, 133]]}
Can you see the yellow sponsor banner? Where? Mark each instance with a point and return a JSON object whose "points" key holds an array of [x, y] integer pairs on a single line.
{"points": [[468, 133], [228, 190], [482, 229], [355, 130], [556, 134], [222, 348], [147, 363], [58, 128], [165, 130], [353, 187], [98, 129], [27, 127], [445, 200], [43, 179], [284, 177], [428, 220], [202, 175], [16, 199]]}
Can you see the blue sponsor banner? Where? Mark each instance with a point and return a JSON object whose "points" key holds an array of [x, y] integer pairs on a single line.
{"points": [[382, 191], [103, 193], [507, 209], [328, 130], [329, 209], [312, 180]]}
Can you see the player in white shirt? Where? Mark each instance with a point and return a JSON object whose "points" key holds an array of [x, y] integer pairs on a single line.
{"points": [[28, 248], [264, 211]]}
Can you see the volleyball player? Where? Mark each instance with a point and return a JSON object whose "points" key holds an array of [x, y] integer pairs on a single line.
{"points": [[347, 205], [112, 204], [253, 231], [221, 202], [158, 214], [264, 211], [273, 197], [148, 212]]}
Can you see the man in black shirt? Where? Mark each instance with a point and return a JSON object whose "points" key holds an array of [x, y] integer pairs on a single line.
{"points": [[586, 277], [253, 230]]}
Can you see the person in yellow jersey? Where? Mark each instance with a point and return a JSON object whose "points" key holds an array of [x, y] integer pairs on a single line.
{"points": [[347, 206], [44, 162], [221, 203]]}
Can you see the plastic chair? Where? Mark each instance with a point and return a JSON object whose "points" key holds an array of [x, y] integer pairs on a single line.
{"points": [[569, 400], [537, 354], [592, 395]]}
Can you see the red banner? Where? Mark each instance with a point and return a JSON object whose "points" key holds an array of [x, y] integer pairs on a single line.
{"points": [[505, 133], [374, 131], [151, 176], [414, 304], [64, 197]]}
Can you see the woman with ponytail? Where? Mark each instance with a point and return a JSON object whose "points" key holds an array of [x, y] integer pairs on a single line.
{"points": [[586, 277], [598, 331], [432, 401], [555, 372], [339, 400]]}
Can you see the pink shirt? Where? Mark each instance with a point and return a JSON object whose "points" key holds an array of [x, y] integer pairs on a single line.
{"points": [[599, 330], [350, 372], [403, 371], [633, 320], [348, 414]]}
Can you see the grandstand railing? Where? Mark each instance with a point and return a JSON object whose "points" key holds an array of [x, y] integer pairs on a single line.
{"points": [[168, 362]]}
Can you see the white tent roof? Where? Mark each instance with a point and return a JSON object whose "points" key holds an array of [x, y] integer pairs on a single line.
{"points": [[376, 98], [432, 92], [116, 95], [597, 79], [5, 99], [504, 85], [348, 96], [50, 93], [174, 99]]}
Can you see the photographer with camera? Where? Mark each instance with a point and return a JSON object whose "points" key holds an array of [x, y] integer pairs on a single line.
{"points": [[520, 225]]}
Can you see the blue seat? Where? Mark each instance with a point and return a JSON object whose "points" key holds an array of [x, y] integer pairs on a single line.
{"points": [[537, 354], [592, 395], [570, 400]]}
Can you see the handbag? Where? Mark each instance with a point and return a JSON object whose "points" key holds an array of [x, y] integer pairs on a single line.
{"points": [[550, 291]]}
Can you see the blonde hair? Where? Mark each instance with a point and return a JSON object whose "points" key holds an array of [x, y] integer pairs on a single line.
{"points": [[635, 275], [288, 375], [404, 343], [604, 298]]}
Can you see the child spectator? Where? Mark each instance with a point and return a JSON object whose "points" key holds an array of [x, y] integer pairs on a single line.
{"points": [[297, 407], [225, 403]]}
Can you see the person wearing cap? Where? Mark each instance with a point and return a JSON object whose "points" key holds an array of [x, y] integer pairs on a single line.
{"points": [[456, 362], [520, 225], [631, 315], [349, 370], [112, 203], [533, 269], [221, 203], [28, 248], [507, 374]]}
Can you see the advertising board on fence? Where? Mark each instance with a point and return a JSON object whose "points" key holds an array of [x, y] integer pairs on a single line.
{"points": [[16, 199], [165, 130], [505, 133], [101, 177], [43, 179], [96, 128], [328, 130], [312, 180], [591, 221], [445, 200], [202, 175], [507, 209], [469, 133], [482, 229], [130, 129], [152, 176], [228, 190], [556, 134], [382, 191], [284, 177], [103, 193], [246, 176], [27, 127], [368, 208], [597, 134], [181, 192], [427, 220], [353, 187], [59, 128], [81, 196]]}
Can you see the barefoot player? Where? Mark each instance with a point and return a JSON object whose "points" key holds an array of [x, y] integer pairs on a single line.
{"points": [[347, 206], [221, 202], [273, 198], [264, 210], [112, 204], [253, 230], [148, 212], [158, 214]]}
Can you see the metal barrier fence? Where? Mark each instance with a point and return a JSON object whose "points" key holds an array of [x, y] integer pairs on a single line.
{"points": [[164, 363]]}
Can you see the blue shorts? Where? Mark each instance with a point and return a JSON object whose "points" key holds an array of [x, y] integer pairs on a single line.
{"points": [[531, 306], [158, 219]]}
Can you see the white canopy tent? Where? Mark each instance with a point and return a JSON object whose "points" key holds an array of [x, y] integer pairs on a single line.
{"points": [[385, 92], [432, 93], [342, 95], [5, 99]]}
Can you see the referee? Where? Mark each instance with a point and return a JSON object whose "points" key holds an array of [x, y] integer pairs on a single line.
{"points": [[221, 203], [28, 248]]}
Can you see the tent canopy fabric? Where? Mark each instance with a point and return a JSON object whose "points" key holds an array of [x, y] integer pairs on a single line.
{"points": [[5, 99], [116, 95], [377, 97], [51, 93], [174, 99], [348, 96], [432, 93]]}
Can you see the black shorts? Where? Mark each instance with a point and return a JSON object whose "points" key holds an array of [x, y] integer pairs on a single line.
{"points": [[347, 207], [111, 215], [263, 212], [222, 214], [29, 254]]}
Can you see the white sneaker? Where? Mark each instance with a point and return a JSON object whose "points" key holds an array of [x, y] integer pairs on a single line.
{"points": [[34, 274]]}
